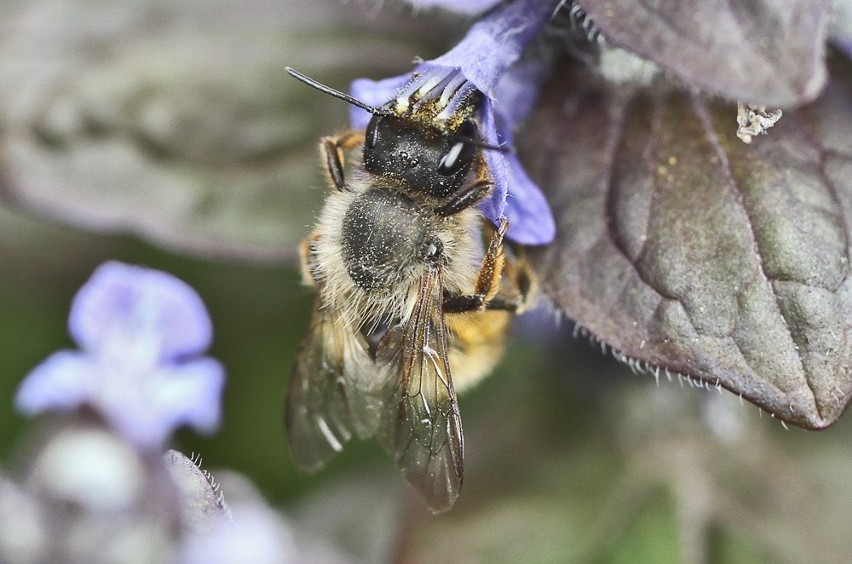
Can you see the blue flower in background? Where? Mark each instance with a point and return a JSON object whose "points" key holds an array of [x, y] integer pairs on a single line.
{"points": [[488, 58], [141, 334], [460, 6]]}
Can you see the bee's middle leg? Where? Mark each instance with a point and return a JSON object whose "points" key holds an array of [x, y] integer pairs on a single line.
{"points": [[487, 281]]}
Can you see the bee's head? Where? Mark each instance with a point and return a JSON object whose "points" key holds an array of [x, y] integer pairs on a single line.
{"points": [[420, 156], [427, 144]]}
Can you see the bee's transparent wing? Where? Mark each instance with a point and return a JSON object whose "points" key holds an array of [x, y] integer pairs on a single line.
{"points": [[333, 392], [421, 427]]}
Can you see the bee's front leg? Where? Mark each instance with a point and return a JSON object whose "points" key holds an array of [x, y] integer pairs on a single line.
{"points": [[465, 198], [332, 149], [308, 261], [469, 195]]}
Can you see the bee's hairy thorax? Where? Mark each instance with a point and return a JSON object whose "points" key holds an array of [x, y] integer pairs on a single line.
{"points": [[374, 244]]}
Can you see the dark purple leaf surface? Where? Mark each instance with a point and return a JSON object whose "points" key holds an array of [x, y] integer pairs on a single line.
{"points": [[767, 52], [688, 250]]}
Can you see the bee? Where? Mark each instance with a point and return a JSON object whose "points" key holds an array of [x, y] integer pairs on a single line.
{"points": [[405, 310]]}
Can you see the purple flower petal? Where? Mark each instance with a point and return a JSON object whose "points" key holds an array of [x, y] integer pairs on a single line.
{"points": [[126, 304], [259, 534], [517, 92], [515, 195], [59, 383], [374, 93], [488, 58], [494, 206], [490, 48], [530, 218], [459, 6], [495, 43], [141, 331], [175, 395]]}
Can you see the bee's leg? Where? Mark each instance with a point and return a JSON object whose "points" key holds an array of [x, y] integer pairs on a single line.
{"points": [[468, 195], [474, 302], [333, 148], [522, 288], [465, 197], [307, 260], [487, 281], [492, 291]]}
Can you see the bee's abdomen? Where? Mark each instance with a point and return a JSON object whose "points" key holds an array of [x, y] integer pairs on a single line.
{"points": [[383, 231]]}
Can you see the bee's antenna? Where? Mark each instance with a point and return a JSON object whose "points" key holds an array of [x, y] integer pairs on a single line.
{"points": [[481, 145], [331, 91], [489, 147]]}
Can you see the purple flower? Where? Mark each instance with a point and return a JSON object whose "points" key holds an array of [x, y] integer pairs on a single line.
{"points": [[259, 535], [460, 6], [141, 335], [488, 59]]}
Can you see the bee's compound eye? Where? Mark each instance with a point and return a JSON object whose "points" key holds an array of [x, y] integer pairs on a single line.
{"points": [[371, 138], [432, 248], [460, 153]]}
